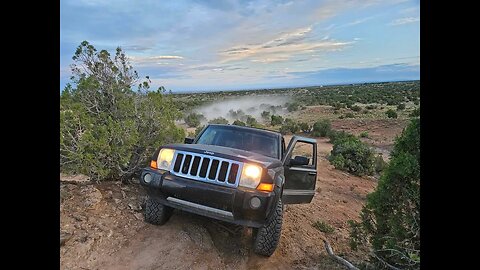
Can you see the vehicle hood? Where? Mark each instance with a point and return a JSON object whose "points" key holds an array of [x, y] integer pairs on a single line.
{"points": [[228, 153]]}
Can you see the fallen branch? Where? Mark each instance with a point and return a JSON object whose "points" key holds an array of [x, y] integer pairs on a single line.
{"points": [[338, 258]]}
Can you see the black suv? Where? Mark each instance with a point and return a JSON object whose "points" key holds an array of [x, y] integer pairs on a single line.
{"points": [[236, 174]]}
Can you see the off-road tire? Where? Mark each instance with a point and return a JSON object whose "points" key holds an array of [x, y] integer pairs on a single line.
{"points": [[268, 236], [156, 213]]}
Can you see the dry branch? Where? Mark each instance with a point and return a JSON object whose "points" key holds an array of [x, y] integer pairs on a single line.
{"points": [[338, 258]]}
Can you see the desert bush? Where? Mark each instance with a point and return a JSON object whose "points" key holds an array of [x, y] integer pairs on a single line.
{"points": [[322, 128], [349, 115], [356, 108], [194, 119], [265, 115], [415, 113], [401, 107], [364, 134], [391, 113], [276, 120], [251, 121], [352, 155], [338, 135], [218, 120], [108, 130], [239, 123], [371, 107], [390, 219], [238, 114], [291, 107], [289, 126], [323, 227], [304, 127]]}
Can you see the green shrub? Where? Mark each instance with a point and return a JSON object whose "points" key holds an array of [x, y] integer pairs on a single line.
{"points": [[401, 107], [356, 108], [238, 114], [239, 123], [108, 130], [415, 113], [349, 115], [390, 219], [304, 127], [218, 120], [276, 120], [364, 134], [251, 121], [194, 119], [291, 107], [323, 227], [338, 135], [371, 107], [289, 127], [265, 115], [352, 155], [322, 128], [391, 113]]}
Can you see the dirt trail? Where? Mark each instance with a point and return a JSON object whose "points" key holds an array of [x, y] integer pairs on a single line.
{"points": [[104, 229]]}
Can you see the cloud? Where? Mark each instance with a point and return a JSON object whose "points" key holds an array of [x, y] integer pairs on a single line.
{"points": [[282, 47], [153, 60], [405, 20]]}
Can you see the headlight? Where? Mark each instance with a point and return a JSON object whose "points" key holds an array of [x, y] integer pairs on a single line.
{"points": [[251, 175], [165, 158]]}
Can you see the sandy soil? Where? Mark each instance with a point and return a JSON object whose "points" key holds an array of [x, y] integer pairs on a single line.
{"points": [[102, 227]]}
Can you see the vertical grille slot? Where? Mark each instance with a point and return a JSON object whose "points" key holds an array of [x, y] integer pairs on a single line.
{"points": [[195, 163], [232, 176], [223, 171], [186, 164], [178, 162], [213, 169], [204, 167]]}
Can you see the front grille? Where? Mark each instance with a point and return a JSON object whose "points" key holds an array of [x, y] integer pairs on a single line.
{"points": [[206, 168]]}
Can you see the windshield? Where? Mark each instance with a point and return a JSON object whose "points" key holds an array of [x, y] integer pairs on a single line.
{"points": [[258, 142]]}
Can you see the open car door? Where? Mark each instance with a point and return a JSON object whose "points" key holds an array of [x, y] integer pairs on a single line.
{"points": [[300, 166]]}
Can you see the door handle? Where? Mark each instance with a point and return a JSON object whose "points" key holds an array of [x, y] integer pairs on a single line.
{"points": [[312, 173]]}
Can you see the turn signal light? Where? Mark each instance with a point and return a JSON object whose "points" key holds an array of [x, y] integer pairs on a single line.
{"points": [[153, 164], [265, 187]]}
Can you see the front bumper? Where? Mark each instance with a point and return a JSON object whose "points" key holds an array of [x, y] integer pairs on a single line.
{"points": [[214, 201]]}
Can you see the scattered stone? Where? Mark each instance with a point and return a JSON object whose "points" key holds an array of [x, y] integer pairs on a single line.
{"points": [[139, 216], [134, 207], [64, 237]]}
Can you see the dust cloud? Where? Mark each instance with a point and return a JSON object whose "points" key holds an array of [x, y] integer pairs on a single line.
{"points": [[241, 107]]}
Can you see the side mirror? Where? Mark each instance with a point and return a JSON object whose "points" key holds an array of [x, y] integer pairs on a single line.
{"points": [[188, 140], [299, 161]]}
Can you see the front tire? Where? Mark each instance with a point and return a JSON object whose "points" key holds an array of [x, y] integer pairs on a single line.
{"points": [[268, 236], [156, 213]]}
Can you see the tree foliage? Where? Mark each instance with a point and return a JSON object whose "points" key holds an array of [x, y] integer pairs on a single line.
{"points": [[276, 120], [108, 130], [194, 119], [218, 120], [390, 220]]}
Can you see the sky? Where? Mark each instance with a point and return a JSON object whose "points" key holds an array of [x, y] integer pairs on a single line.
{"points": [[194, 45]]}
